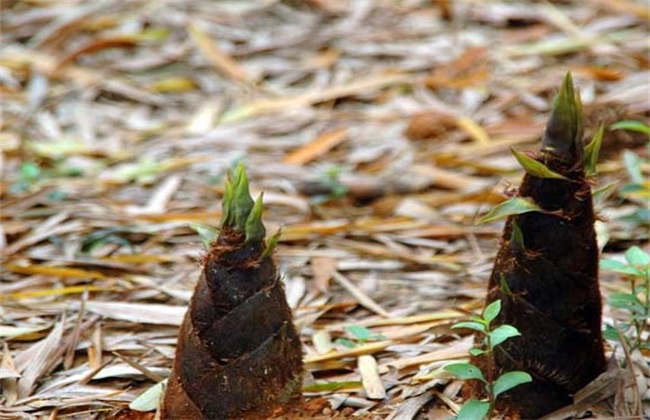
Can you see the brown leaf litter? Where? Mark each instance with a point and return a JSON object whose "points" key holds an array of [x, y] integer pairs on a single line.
{"points": [[380, 131]]}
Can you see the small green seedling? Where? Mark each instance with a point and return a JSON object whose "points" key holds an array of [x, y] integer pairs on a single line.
{"points": [[337, 189], [636, 268], [492, 337]]}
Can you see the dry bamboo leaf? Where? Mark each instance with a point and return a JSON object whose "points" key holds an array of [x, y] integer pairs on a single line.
{"points": [[603, 74], [458, 350], [123, 41], [64, 272], [449, 179], [443, 315], [9, 331], [139, 312], [95, 350], [85, 374], [372, 383], [37, 360], [627, 6], [158, 201], [474, 130], [361, 297], [322, 341], [355, 87], [429, 125], [146, 372], [410, 408], [204, 119], [68, 358], [150, 399], [39, 235], [85, 77], [8, 377], [70, 290], [317, 147], [323, 269], [467, 70], [221, 61], [172, 84], [368, 348]]}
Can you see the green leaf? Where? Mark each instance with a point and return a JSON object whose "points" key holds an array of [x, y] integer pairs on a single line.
{"points": [[534, 167], [517, 237], [476, 352], [272, 243], [226, 204], [207, 233], [465, 371], [631, 125], [502, 333], [563, 134], [359, 332], [29, 171], [618, 267], [503, 284], [255, 230], [626, 301], [592, 150], [637, 257], [510, 380], [473, 410], [611, 333], [148, 400], [491, 311], [477, 326], [346, 343], [515, 205], [242, 201], [599, 195]]}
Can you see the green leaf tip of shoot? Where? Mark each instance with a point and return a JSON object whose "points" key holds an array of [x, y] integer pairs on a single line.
{"points": [[255, 230], [592, 150], [239, 210], [517, 237], [207, 233], [503, 285], [272, 243], [513, 206], [563, 134], [242, 202], [534, 167], [226, 204]]}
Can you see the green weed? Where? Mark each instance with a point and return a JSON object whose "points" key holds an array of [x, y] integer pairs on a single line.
{"points": [[492, 337]]}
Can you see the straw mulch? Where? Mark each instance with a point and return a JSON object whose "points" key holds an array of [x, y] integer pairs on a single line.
{"points": [[379, 132]]}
